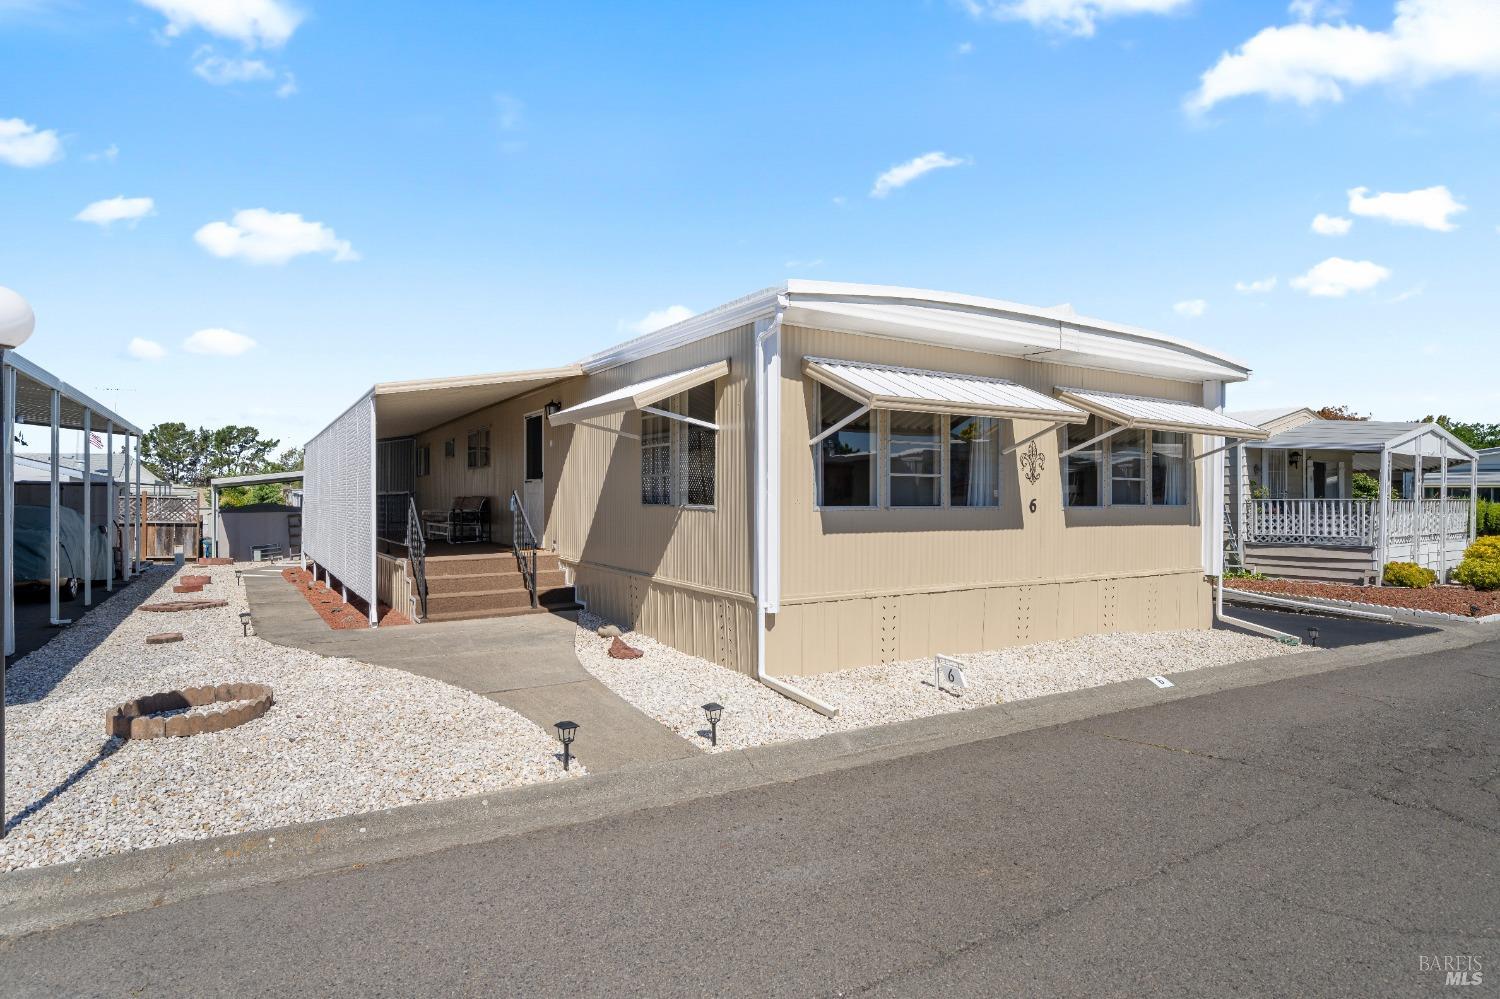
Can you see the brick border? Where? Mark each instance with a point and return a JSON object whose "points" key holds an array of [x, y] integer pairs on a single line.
{"points": [[131, 720]]}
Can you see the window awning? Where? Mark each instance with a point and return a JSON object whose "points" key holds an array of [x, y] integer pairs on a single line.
{"points": [[882, 386], [1146, 413], [640, 395]]}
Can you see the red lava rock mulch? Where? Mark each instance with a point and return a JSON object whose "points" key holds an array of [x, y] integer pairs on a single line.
{"points": [[619, 650], [1442, 599], [171, 606], [331, 607]]}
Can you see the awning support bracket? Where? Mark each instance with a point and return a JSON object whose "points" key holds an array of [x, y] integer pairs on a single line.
{"points": [[679, 417], [861, 411], [1049, 428], [1095, 440]]}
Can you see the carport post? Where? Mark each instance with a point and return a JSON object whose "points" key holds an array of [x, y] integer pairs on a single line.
{"points": [[125, 522], [140, 510], [88, 523], [54, 542], [1385, 512], [109, 503], [8, 502], [1443, 507]]}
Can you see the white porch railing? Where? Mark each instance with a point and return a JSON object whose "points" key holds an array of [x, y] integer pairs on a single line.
{"points": [[1312, 522], [1431, 523]]}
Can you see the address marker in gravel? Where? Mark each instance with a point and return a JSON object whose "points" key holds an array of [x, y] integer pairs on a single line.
{"points": [[341, 737], [672, 686]]}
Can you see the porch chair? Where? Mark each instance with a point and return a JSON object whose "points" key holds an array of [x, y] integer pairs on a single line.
{"points": [[466, 522]]}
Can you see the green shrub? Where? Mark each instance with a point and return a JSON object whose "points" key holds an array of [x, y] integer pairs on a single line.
{"points": [[1481, 565], [1409, 574], [1487, 517], [1242, 574], [1363, 485]]}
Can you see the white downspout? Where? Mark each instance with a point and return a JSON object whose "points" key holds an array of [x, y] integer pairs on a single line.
{"points": [[767, 497]]}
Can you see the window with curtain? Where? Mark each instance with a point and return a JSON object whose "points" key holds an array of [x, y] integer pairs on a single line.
{"points": [[973, 461], [846, 458], [1168, 468], [448, 448], [424, 460], [656, 460], [701, 444], [1081, 468], [479, 448], [914, 459], [1127, 468]]}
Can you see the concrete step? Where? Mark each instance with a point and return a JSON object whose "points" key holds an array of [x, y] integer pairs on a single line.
{"points": [[485, 581], [493, 562], [472, 615], [1312, 573], [494, 599]]}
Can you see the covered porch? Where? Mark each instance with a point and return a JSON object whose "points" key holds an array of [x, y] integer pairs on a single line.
{"points": [[1307, 502]]}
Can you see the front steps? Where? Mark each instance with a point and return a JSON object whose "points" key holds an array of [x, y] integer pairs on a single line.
{"points": [[464, 587], [1313, 563]]}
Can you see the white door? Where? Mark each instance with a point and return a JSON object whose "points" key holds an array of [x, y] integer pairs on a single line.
{"points": [[533, 489]]}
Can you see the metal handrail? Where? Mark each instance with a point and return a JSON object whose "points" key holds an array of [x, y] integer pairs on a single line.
{"points": [[523, 543], [416, 550]]}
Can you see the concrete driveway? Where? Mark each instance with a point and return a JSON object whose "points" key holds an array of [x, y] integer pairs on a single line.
{"points": [[525, 663]]}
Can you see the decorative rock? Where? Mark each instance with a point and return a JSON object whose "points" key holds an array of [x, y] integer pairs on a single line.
{"points": [[619, 650], [609, 631], [164, 638], [195, 580], [186, 588]]}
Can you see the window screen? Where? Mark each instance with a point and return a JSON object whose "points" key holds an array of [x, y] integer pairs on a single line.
{"points": [[534, 445], [702, 445], [1082, 467], [656, 459], [1127, 468], [915, 460]]}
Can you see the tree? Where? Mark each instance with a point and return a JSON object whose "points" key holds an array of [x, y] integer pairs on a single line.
{"points": [[1338, 413], [1476, 435], [174, 453], [189, 457]]}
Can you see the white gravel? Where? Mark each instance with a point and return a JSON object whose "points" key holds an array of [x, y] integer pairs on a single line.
{"points": [[343, 737], [671, 686]]}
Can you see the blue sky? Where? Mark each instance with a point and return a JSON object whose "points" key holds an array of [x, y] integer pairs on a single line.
{"points": [[343, 193]]}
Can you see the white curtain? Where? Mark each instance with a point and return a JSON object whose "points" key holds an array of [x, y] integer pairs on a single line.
{"points": [[984, 463]]}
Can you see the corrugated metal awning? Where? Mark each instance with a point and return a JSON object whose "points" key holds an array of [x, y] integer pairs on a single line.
{"points": [[641, 394], [1160, 414], [882, 386]]}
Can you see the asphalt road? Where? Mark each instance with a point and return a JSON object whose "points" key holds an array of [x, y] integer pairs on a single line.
{"points": [[1314, 836], [1334, 632]]}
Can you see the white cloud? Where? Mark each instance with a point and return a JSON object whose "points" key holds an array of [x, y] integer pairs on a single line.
{"points": [[258, 236], [904, 173], [1336, 277], [1428, 40], [288, 85], [1255, 287], [224, 70], [1330, 225], [218, 342], [657, 319], [108, 155], [117, 209], [1317, 10], [23, 145], [250, 22], [1077, 17], [1409, 293], [1430, 208], [1191, 309], [145, 350]]}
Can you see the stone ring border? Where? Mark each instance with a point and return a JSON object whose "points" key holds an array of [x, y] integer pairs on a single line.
{"points": [[131, 720]]}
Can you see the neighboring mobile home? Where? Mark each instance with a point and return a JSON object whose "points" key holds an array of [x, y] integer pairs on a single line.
{"points": [[819, 476], [1294, 512]]}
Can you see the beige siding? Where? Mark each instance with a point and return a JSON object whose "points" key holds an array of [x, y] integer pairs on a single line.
{"points": [[894, 584], [682, 576]]}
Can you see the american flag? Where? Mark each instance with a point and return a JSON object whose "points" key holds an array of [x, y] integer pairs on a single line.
{"points": [[95, 440]]}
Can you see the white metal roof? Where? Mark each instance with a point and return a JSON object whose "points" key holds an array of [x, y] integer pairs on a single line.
{"points": [[883, 386], [255, 479], [34, 387], [640, 394], [409, 407], [987, 325], [1365, 435], [1160, 414]]}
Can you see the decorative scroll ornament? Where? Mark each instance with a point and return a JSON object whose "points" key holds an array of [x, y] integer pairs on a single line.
{"points": [[1033, 461]]}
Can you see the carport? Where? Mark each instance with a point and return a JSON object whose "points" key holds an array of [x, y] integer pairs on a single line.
{"points": [[32, 396]]}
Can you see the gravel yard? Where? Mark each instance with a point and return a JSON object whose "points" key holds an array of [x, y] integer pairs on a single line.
{"points": [[671, 686], [342, 737]]}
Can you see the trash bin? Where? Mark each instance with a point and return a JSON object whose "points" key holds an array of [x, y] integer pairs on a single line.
{"points": [[208, 548]]}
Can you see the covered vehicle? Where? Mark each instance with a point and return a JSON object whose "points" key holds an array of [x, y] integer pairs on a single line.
{"points": [[33, 538]]}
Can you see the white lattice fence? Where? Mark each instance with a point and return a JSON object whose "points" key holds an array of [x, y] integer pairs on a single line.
{"points": [[338, 500]]}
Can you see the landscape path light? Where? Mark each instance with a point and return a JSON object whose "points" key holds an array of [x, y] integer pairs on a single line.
{"points": [[1312, 636], [566, 732], [245, 623], [713, 710]]}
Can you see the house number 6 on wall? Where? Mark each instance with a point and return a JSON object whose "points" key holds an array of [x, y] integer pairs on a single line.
{"points": [[1033, 504]]}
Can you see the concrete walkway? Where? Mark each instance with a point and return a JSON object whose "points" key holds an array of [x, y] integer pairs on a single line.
{"points": [[525, 663]]}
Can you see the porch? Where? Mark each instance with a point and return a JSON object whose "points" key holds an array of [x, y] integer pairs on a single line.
{"points": [[1341, 539]]}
